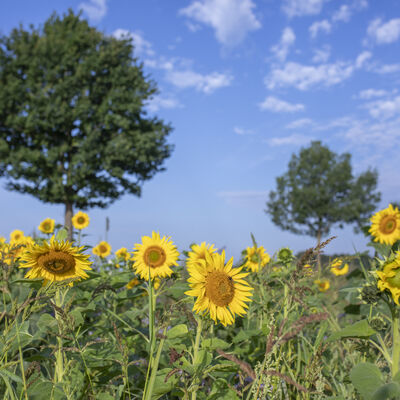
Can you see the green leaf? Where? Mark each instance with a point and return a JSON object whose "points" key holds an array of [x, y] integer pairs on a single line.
{"points": [[104, 396], [177, 331], [366, 377], [160, 386], [388, 391], [62, 234], [244, 335], [360, 329], [214, 343], [10, 375]]}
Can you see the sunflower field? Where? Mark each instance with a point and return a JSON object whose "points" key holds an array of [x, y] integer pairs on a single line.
{"points": [[150, 321]]}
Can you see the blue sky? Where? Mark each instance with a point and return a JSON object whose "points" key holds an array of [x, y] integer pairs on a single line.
{"points": [[245, 84]]}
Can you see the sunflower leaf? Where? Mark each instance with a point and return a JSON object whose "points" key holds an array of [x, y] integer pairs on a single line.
{"points": [[214, 343], [61, 234], [388, 391], [366, 377], [177, 331], [360, 329]]}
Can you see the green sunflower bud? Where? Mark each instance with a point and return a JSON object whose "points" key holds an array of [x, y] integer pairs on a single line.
{"points": [[370, 294], [285, 255]]}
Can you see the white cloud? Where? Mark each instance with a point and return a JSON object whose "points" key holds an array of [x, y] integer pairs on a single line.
{"points": [[299, 123], [158, 102], [294, 139], [95, 9], [343, 14], [384, 108], [231, 19], [303, 77], [275, 105], [322, 55], [242, 131], [282, 48], [298, 8], [323, 26], [387, 69], [141, 46], [383, 33], [202, 83], [364, 56], [370, 93]]}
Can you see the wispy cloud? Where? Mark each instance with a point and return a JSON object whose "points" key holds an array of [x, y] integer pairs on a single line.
{"points": [[158, 102], [322, 55], [232, 20], [95, 9], [276, 105], [371, 93], [303, 77], [242, 131], [207, 83], [281, 49], [342, 14], [320, 26], [299, 8], [384, 108], [295, 139], [299, 123], [384, 33]]}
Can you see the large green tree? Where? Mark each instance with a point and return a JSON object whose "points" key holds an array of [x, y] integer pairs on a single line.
{"points": [[73, 129], [319, 191]]}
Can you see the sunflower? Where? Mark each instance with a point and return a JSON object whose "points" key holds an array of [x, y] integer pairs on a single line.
{"points": [[80, 220], [132, 283], [389, 278], [123, 253], [199, 253], [285, 255], [55, 261], [338, 268], [156, 253], [47, 225], [16, 236], [103, 249], [2, 241], [386, 225], [308, 269], [219, 288], [323, 285], [256, 257], [23, 245]]}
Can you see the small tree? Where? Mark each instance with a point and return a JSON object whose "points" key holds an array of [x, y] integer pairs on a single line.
{"points": [[319, 191], [72, 126]]}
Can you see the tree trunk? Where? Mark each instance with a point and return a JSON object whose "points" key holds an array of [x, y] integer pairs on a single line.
{"points": [[68, 220], [319, 255]]}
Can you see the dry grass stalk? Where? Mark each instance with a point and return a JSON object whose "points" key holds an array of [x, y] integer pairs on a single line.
{"points": [[244, 366]]}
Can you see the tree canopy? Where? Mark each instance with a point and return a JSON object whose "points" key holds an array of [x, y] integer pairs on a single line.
{"points": [[73, 129], [319, 191]]}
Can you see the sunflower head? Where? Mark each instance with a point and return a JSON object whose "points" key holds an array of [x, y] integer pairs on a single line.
{"points": [[155, 254], [132, 283], [80, 220], [103, 249], [338, 267], [219, 288], [123, 253], [323, 284], [55, 261], [370, 294], [198, 252], [385, 226], [256, 257], [16, 236], [47, 225], [308, 271], [285, 255], [389, 277]]}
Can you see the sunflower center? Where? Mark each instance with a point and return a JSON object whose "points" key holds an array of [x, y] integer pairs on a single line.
{"points": [[81, 220], [56, 262], [154, 256], [255, 258], [103, 249], [219, 288], [46, 226], [387, 224]]}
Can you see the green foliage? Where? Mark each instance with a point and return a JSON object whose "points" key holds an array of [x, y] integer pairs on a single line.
{"points": [[319, 191], [73, 128], [360, 329]]}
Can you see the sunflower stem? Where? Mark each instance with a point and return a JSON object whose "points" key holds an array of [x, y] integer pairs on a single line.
{"points": [[396, 341], [196, 348], [151, 336], [154, 366], [59, 371], [21, 361]]}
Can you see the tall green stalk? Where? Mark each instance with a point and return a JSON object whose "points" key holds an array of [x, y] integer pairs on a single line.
{"points": [[396, 341], [196, 347]]}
